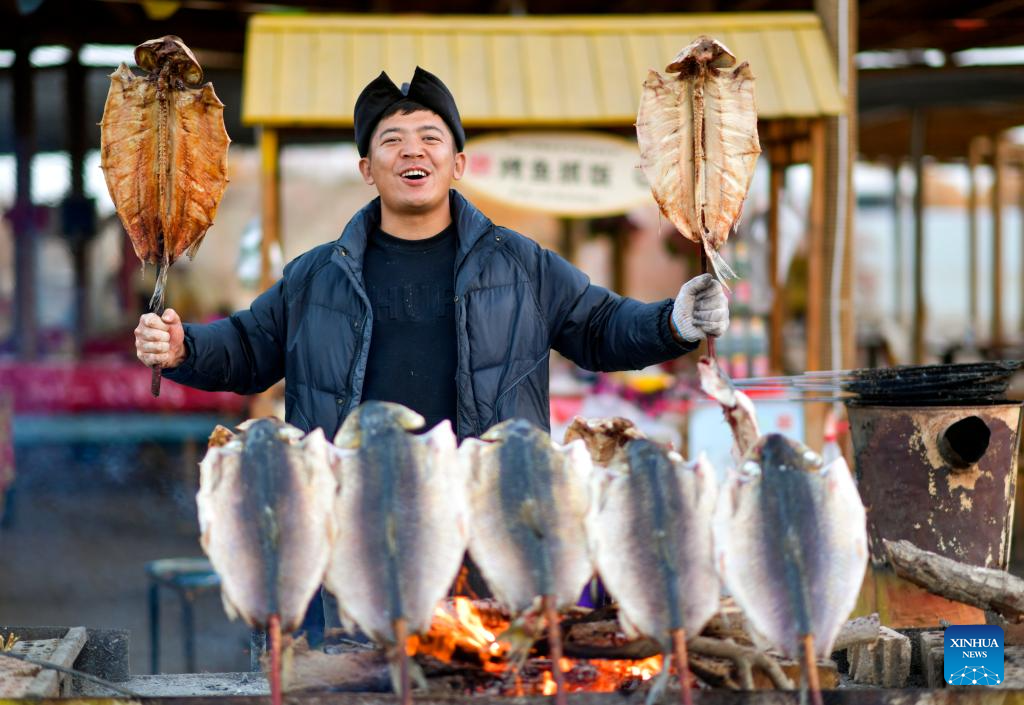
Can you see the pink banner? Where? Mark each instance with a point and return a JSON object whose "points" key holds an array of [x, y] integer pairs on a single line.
{"points": [[103, 386]]}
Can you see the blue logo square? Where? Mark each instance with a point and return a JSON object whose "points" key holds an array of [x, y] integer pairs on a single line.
{"points": [[973, 654]]}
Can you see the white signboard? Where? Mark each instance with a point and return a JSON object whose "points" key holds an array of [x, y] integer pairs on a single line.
{"points": [[575, 174]]}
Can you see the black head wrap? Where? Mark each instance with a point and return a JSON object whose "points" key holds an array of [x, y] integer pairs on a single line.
{"points": [[381, 93]]}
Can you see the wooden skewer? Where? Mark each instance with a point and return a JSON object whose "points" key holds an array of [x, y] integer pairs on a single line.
{"points": [[555, 647], [401, 640], [682, 665], [704, 270], [274, 628], [811, 669]]}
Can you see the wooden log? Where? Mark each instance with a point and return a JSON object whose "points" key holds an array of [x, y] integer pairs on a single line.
{"points": [[984, 588]]}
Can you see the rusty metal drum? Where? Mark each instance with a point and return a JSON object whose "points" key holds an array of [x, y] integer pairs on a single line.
{"points": [[942, 477]]}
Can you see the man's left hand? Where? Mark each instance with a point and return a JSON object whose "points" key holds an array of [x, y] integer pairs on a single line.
{"points": [[700, 309]]}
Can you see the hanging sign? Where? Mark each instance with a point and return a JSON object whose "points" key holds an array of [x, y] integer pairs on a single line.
{"points": [[570, 174]]}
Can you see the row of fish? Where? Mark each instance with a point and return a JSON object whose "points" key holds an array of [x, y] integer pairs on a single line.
{"points": [[383, 517]]}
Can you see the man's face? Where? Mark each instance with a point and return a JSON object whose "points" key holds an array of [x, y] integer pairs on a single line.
{"points": [[412, 162]]}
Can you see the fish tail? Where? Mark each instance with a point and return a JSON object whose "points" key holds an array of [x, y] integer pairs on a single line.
{"points": [[721, 268]]}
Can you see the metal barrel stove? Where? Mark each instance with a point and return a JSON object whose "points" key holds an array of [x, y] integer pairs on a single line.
{"points": [[935, 451]]}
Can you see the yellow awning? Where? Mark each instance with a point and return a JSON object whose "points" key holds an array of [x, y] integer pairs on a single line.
{"points": [[506, 72]]}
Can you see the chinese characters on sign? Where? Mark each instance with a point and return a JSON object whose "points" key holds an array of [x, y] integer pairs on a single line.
{"points": [[563, 173]]}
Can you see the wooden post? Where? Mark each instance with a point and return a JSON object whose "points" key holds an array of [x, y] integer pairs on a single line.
{"points": [[917, 135], [998, 164], [777, 179], [898, 294], [816, 247], [22, 217], [1020, 211], [270, 199], [973, 161]]}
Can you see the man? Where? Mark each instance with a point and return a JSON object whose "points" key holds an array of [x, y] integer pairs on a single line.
{"points": [[423, 300]]}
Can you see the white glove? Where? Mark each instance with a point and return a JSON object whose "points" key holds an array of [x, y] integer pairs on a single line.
{"points": [[701, 309]]}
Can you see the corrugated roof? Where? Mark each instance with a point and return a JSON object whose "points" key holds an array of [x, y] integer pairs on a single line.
{"points": [[522, 71]]}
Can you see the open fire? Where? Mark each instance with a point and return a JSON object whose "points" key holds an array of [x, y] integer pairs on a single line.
{"points": [[475, 633]]}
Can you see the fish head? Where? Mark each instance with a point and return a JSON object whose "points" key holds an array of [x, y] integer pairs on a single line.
{"points": [[169, 51], [775, 453], [702, 51], [602, 437], [373, 418], [512, 428], [219, 437]]}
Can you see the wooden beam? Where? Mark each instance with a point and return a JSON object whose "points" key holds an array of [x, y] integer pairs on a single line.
{"points": [[998, 167], [918, 123], [816, 248], [777, 182], [270, 199]]}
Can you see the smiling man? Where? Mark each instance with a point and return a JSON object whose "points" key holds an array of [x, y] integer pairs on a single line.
{"points": [[423, 300]]}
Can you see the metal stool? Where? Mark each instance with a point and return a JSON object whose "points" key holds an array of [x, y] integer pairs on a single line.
{"points": [[187, 577]]}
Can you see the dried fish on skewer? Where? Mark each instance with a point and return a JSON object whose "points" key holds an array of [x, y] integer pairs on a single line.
{"points": [[265, 515], [164, 155], [528, 501], [649, 532], [790, 538], [737, 407], [698, 140], [401, 529]]}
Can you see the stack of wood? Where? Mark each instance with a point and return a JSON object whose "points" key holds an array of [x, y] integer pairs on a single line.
{"points": [[725, 655]]}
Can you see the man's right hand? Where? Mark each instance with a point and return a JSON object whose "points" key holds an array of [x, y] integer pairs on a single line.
{"points": [[160, 341]]}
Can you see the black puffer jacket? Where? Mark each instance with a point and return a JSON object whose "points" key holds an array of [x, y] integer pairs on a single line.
{"points": [[514, 302]]}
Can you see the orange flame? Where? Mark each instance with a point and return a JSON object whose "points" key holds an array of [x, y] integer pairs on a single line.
{"points": [[461, 629]]}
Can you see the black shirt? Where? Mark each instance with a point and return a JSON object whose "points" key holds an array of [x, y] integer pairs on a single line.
{"points": [[413, 354]]}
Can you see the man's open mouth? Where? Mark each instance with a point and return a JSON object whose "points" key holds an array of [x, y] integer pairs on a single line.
{"points": [[414, 174]]}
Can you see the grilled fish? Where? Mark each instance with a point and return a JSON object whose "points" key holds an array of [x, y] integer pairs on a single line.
{"points": [[737, 407], [528, 500], [791, 543], [401, 527], [697, 133], [649, 532], [265, 499], [164, 150]]}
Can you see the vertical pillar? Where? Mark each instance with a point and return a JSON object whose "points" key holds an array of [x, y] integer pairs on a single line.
{"points": [[917, 135], [998, 167], [270, 199], [816, 248], [776, 181], [974, 153], [78, 225], [898, 292], [22, 216]]}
